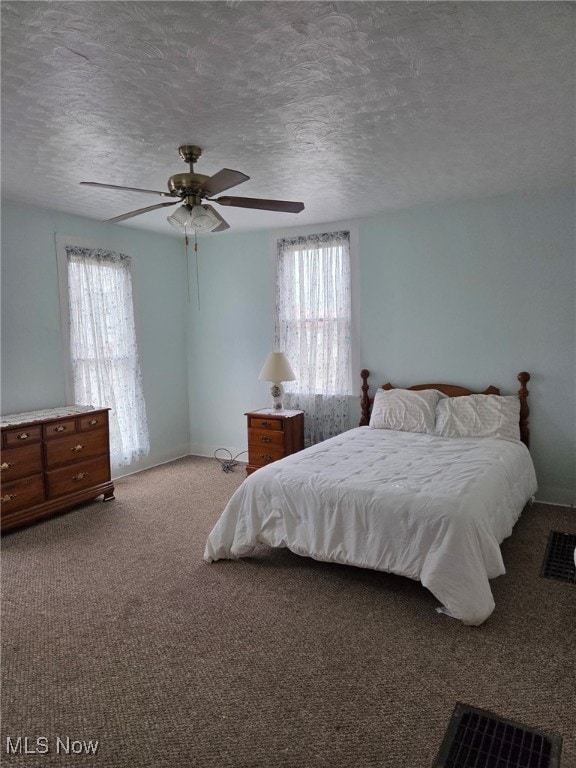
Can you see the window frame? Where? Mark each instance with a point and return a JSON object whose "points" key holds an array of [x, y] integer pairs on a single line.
{"points": [[125, 452], [62, 241], [318, 229]]}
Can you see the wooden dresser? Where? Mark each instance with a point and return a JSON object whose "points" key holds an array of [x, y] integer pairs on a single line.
{"points": [[273, 435], [51, 461]]}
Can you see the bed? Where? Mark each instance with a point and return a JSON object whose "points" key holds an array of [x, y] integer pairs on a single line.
{"points": [[427, 487]]}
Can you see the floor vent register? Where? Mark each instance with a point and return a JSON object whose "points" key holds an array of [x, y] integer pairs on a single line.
{"points": [[559, 558], [476, 738]]}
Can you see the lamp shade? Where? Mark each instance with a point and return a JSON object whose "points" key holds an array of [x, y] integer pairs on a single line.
{"points": [[277, 368]]}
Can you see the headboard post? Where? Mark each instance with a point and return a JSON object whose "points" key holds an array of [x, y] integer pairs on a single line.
{"points": [[524, 378], [364, 399]]}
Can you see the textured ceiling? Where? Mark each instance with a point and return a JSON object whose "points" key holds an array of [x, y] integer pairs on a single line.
{"points": [[353, 107]]}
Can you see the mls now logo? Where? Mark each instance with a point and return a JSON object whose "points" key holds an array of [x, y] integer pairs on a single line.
{"points": [[40, 745]]}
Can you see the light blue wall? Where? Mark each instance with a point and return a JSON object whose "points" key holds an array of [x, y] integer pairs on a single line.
{"points": [[231, 333], [475, 292], [32, 354], [469, 292]]}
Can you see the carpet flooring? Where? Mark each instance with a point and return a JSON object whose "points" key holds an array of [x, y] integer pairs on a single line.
{"points": [[114, 630]]}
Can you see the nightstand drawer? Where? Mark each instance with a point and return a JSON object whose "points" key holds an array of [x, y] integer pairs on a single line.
{"points": [[259, 457], [257, 438], [260, 423]]}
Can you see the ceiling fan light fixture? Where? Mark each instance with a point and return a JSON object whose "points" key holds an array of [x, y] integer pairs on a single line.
{"points": [[180, 219], [203, 218], [200, 218]]}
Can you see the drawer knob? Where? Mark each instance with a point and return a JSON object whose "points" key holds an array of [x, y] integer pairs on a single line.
{"points": [[8, 497], [77, 448], [92, 422], [5, 465], [23, 436], [266, 439], [265, 423], [80, 476], [266, 456], [61, 428]]}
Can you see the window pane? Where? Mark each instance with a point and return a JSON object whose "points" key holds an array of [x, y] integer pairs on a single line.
{"points": [[313, 326], [105, 367]]}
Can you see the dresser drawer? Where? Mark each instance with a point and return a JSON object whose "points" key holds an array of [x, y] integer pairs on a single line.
{"points": [[21, 435], [263, 423], [93, 421], [262, 437], [21, 493], [75, 478], [68, 450], [19, 462], [60, 428]]}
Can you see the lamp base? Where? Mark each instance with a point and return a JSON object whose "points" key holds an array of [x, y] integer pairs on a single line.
{"points": [[277, 392]]}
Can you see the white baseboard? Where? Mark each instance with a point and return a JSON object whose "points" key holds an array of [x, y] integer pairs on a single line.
{"points": [[560, 497], [206, 449], [150, 461]]}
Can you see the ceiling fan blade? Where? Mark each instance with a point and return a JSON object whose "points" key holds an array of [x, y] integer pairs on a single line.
{"points": [[139, 211], [222, 180], [126, 189], [284, 206]]}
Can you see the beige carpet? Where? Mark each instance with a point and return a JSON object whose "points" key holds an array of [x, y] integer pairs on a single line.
{"points": [[115, 630]]}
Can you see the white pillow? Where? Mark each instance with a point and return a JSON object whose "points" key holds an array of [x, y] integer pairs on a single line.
{"points": [[405, 410], [479, 416]]}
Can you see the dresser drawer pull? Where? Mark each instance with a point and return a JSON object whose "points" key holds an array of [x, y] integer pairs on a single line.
{"points": [[80, 476], [23, 436], [266, 456], [5, 465], [265, 423], [92, 422], [8, 497], [77, 448], [61, 428], [266, 439]]}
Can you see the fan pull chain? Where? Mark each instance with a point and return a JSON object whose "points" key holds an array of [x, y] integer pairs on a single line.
{"points": [[186, 243], [197, 275]]}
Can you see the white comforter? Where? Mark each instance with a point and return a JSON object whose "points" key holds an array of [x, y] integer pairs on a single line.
{"points": [[430, 508]]}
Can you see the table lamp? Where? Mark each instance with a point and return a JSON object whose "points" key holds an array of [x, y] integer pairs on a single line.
{"points": [[277, 369]]}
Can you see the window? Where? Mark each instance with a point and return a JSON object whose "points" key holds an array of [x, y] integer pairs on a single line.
{"points": [[105, 371], [313, 328]]}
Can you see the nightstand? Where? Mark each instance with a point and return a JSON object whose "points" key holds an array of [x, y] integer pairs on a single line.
{"points": [[273, 435]]}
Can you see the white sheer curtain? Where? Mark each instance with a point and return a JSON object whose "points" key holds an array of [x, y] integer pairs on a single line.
{"points": [[313, 329], [105, 367]]}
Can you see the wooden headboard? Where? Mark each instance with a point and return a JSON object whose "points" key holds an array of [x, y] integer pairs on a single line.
{"points": [[452, 390]]}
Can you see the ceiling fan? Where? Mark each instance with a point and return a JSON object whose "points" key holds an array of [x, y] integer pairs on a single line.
{"points": [[192, 189]]}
